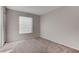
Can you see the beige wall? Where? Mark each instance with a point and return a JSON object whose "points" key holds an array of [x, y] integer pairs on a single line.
{"points": [[62, 26], [13, 26]]}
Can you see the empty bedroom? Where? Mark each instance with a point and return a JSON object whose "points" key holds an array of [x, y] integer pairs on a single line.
{"points": [[39, 29]]}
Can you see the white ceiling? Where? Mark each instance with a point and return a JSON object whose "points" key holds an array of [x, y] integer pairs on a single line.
{"points": [[39, 10]]}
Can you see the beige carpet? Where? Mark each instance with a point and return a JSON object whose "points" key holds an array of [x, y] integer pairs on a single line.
{"points": [[36, 45]]}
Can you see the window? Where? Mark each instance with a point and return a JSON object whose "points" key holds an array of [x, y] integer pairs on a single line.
{"points": [[25, 25]]}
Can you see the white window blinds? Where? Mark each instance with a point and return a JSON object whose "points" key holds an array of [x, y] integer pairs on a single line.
{"points": [[25, 25]]}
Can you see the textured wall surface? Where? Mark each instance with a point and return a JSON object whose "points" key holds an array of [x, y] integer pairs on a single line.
{"points": [[62, 26], [13, 26]]}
